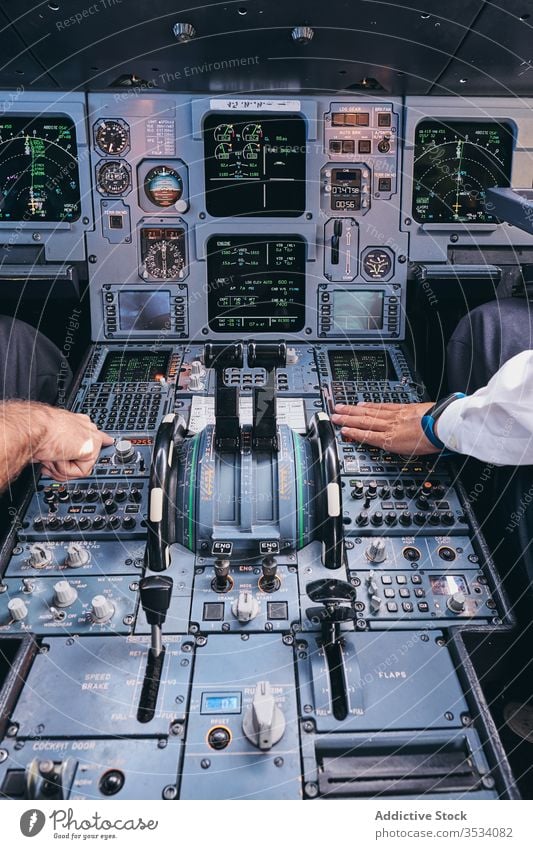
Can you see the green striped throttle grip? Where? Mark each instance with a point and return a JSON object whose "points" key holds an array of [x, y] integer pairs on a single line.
{"points": [[162, 493]]}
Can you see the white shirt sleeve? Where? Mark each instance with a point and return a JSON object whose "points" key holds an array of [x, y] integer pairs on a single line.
{"points": [[495, 424]]}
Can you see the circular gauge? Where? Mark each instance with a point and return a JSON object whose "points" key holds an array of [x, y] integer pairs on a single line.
{"points": [[224, 132], [377, 264], [113, 178], [163, 186], [112, 137], [164, 260], [252, 132]]}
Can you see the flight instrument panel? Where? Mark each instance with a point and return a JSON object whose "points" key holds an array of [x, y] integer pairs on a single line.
{"points": [[237, 582]]}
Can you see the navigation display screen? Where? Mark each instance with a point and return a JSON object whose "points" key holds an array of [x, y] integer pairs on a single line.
{"points": [[256, 285], [39, 179], [144, 310], [358, 310], [254, 164], [455, 163], [134, 366], [356, 365]]}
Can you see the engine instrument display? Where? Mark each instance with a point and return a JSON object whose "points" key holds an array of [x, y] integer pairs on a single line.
{"points": [[39, 178], [254, 165], [256, 284], [359, 364], [455, 162], [134, 366], [142, 311], [163, 252], [358, 310]]}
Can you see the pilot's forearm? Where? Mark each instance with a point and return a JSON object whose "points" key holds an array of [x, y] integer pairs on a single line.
{"points": [[495, 424], [21, 432]]}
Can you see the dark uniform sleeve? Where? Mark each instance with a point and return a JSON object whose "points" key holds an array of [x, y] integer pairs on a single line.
{"points": [[32, 367]]}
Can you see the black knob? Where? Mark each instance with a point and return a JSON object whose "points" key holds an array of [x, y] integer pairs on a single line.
{"points": [[422, 502], [121, 494], [76, 494], [53, 524], [111, 782], [106, 494], [358, 491], [390, 519], [448, 517], [113, 522], [136, 495], [110, 506], [85, 523], [377, 518], [405, 518], [38, 523], [385, 492], [372, 489], [362, 518], [49, 495], [98, 523], [69, 523], [91, 494], [128, 523], [398, 491], [63, 493], [412, 491], [438, 490], [419, 518], [434, 518], [221, 582], [156, 594]]}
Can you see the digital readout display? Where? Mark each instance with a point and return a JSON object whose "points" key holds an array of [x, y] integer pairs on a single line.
{"points": [[256, 283], [448, 584], [358, 310], [221, 703], [134, 367], [355, 365], [254, 164]]}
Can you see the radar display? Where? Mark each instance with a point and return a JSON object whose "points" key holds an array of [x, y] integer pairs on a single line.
{"points": [[455, 163], [39, 178]]}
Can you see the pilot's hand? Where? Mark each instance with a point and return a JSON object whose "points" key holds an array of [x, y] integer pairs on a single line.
{"points": [[393, 427], [66, 444]]}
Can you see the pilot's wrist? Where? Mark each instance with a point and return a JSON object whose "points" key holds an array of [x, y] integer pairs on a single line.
{"points": [[430, 419]]}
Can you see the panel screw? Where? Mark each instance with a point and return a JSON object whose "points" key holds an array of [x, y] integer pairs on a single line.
{"points": [[162, 744], [402, 258], [454, 237], [193, 629], [466, 719], [308, 709], [201, 641], [93, 258], [176, 729], [205, 763], [448, 715], [3, 755], [85, 220], [128, 620], [308, 727], [169, 792], [288, 640], [311, 790], [278, 761], [12, 731], [179, 699], [488, 781]]}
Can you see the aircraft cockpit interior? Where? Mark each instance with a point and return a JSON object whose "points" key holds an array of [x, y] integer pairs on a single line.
{"points": [[223, 229]]}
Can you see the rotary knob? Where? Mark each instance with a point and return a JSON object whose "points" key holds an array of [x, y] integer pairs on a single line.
{"points": [[376, 551], [358, 491], [124, 451], [76, 556], [102, 608], [17, 609], [195, 384], [40, 556], [263, 722], [197, 368], [245, 607], [456, 603], [64, 594]]}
